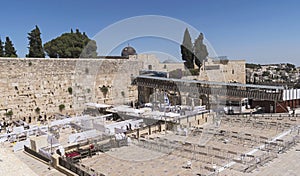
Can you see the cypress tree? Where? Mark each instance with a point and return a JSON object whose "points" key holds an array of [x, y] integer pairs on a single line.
{"points": [[9, 48], [1, 48], [36, 49], [200, 50], [187, 50]]}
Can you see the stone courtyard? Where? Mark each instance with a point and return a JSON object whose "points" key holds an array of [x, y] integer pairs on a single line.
{"points": [[240, 149]]}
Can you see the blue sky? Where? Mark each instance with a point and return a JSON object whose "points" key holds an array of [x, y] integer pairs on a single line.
{"points": [[260, 31]]}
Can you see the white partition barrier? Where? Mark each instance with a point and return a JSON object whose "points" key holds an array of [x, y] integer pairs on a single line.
{"points": [[20, 145], [74, 138]]}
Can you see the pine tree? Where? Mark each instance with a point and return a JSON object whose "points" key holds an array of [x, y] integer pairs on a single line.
{"points": [[187, 50], [1, 48], [9, 48], [35, 44], [200, 50], [71, 45]]}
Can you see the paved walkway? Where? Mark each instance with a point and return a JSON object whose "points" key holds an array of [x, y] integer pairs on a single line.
{"points": [[21, 164], [12, 166], [38, 167]]}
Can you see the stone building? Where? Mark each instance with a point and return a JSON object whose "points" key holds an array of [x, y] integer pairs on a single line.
{"points": [[223, 71]]}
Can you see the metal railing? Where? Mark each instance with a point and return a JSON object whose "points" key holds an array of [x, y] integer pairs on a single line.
{"points": [[36, 154]]}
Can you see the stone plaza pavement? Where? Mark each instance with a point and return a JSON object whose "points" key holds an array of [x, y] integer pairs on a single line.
{"points": [[20, 164], [12, 165], [287, 164]]}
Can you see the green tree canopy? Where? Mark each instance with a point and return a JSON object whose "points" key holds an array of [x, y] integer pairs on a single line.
{"points": [[200, 50], [187, 50], [9, 49], [35, 44], [71, 45], [253, 66], [1, 48]]}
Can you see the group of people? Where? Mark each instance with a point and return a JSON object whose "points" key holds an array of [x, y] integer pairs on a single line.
{"points": [[6, 125], [39, 118]]}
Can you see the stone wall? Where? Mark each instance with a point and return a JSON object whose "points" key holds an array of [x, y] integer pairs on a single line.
{"points": [[27, 84], [151, 62], [229, 71]]}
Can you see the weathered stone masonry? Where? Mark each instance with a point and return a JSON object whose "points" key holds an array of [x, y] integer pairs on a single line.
{"points": [[26, 84]]}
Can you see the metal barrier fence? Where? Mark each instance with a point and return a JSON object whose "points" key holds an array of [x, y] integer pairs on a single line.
{"points": [[219, 156], [266, 115], [36, 154], [80, 170], [72, 167]]}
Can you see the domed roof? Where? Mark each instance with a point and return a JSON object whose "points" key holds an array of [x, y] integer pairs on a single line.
{"points": [[128, 50]]}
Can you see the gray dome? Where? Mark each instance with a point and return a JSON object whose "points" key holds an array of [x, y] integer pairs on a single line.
{"points": [[128, 50]]}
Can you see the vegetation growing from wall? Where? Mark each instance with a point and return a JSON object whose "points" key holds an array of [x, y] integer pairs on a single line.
{"points": [[104, 90], [123, 94], [37, 110], [70, 90], [61, 107], [88, 90], [9, 113]]}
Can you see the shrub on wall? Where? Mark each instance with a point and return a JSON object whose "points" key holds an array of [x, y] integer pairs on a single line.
{"points": [[104, 90], [88, 90], [9, 113], [70, 90], [37, 110], [61, 107]]}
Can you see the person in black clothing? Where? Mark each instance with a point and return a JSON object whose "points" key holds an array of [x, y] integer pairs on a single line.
{"points": [[58, 152], [130, 126]]}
